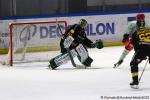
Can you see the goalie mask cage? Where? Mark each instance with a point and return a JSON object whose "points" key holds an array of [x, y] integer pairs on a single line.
{"points": [[30, 36]]}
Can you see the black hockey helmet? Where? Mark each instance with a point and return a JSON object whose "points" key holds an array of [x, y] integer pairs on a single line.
{"points": [[83, 23]]}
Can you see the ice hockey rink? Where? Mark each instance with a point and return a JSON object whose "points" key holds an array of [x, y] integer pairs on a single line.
{"points": [[34, 81]]}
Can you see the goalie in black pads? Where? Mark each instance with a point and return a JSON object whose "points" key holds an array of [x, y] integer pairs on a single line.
{"points": [[76, 41], [141, 44]]}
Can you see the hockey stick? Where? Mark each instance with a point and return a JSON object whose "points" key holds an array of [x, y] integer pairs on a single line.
{"points": [[68, 50], [143, 70]]}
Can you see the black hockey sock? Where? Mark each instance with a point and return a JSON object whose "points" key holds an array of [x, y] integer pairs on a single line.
{"points": [[134, 71]]}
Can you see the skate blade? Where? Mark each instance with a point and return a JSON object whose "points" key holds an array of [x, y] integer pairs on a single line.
{"points": [[80, 67], [134, 87]]}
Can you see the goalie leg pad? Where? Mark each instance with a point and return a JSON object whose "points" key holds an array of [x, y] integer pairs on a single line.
{"points": [[52, 64], [58, 60], [88, 61], [61, 59], [82, 53]]}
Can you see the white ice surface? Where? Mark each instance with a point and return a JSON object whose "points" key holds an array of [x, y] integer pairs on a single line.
{"points": [[34, 81]]}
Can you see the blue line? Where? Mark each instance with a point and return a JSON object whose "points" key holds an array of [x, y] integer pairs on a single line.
{"points": [[72, 14]]}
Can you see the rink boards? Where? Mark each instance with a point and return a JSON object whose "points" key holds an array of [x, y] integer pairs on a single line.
{"points": [[108, 27]]}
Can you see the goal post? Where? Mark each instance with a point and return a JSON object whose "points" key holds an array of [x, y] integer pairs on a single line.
{"points": [[32, 36]]}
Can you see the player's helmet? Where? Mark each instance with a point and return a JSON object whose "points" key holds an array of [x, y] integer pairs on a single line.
{"points": [[83, 23], [140, 20], [140, 17]]}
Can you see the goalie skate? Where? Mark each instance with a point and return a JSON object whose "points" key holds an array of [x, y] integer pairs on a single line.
{"points": [[134, 86], [80, 67]]}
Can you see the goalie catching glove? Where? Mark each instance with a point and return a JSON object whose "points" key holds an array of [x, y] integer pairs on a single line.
{"points": [[98, 44]]}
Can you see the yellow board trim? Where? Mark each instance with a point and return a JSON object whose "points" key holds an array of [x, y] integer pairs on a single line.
{"points": [[54, 48], [106, 44]]}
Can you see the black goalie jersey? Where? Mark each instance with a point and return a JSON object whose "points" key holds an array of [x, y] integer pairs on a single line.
{"points": [[79, 36]]}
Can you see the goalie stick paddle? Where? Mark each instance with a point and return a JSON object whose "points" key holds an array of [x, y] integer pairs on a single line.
{"points": [[68, 50]]}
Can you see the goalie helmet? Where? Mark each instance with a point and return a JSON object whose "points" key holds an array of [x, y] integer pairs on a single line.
{"points": [[83, 23]]}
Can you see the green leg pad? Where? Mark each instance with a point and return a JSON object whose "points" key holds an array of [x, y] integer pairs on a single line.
{"points": [[52, 64], [88, 61]]}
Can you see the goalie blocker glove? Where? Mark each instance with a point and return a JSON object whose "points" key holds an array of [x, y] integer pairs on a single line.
{"points": [[98, 44]]}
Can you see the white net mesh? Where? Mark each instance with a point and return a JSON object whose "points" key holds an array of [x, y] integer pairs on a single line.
{"points": [[28, 38]]}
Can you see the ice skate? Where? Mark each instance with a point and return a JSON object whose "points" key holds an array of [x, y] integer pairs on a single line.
{"points": [[134, 85]]}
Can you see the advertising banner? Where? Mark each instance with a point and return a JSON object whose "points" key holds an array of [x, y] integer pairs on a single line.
{"points": [[109, 28]]}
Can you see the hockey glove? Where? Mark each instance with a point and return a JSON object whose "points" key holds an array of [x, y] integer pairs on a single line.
{"points": [[118, 63], [125, 38], [99, 44]]}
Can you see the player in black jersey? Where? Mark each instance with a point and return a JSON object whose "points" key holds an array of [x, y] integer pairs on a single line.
{"points": [[141, 44]]}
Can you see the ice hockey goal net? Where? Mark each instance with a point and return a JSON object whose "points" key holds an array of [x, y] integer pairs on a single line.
{"points": [[33, 36]]}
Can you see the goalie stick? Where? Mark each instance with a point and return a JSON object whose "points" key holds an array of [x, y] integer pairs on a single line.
{"points": [[68, 50]]}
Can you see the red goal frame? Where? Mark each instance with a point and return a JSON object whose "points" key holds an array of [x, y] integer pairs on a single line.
{"points": [[20, 23]]}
